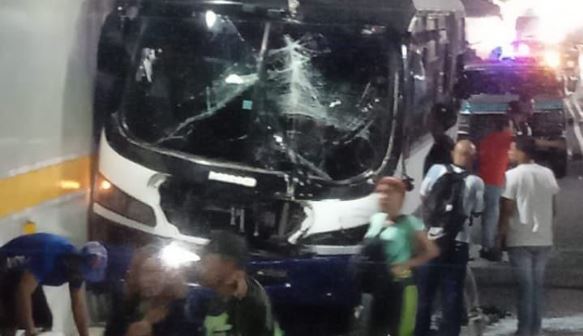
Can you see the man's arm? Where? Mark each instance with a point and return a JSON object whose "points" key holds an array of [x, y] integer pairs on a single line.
{"points": [[139, 328], [554, 227], [507, 208], [479, 205], [26, 287], [79, 307], [427, 183]]}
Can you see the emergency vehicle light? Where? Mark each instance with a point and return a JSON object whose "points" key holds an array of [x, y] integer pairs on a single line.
{"points": [[523, 50], [552, 58]]}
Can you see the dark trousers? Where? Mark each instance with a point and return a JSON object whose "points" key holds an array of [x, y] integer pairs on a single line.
{"points": [[447, 276], [393, 309]]}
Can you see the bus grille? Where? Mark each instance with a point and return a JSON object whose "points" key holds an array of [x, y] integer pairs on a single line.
{"points": [[200, 209]]}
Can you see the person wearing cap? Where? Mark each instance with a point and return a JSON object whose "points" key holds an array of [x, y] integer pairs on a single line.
{"points": [[29, 262], [527, 211], [407, 247]]}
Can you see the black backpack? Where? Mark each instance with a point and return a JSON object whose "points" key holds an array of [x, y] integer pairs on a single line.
{"points": [[444, 213], [371, 269]]}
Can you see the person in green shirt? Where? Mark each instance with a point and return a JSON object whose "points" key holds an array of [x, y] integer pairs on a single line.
{"points": [[407, 246], [242, 307]]}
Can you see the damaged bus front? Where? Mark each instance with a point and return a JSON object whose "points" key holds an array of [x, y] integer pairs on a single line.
{"points": [[267, 118]]}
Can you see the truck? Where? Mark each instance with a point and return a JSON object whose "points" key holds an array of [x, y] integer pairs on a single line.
{"points": [[272, 119], [490, 86]]}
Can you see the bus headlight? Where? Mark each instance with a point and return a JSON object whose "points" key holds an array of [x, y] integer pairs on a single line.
{"points": [[109, 196]]}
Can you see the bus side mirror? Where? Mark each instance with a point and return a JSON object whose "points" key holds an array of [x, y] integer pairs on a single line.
{"points": [[112, 54], [113, 63]]}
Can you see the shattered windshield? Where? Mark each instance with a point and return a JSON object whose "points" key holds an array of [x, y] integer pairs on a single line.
{"points": [[271, 95], [533, 83]]}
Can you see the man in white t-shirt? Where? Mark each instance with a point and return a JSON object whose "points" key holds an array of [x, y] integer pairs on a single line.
{"points": [[526, 228]]}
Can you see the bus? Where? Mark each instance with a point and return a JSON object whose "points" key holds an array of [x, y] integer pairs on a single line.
{"points": [[272, 119]]}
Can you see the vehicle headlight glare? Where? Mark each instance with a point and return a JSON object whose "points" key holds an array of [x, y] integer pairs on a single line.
{"points": [[234, 79], [210, 18], [175, 256], [104, 185], [552, 58]]}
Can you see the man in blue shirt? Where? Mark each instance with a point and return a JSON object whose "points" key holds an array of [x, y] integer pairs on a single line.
{"points": [[29, 262]]}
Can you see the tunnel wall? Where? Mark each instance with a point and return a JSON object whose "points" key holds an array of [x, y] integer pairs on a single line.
{"points": [[47, 62]]}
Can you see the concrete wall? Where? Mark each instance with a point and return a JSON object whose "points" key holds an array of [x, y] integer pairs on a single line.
{"points": [[47, 62], [47, 65]]}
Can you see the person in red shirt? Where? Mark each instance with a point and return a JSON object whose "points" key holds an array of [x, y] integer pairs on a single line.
{"points": [[493, 163]]}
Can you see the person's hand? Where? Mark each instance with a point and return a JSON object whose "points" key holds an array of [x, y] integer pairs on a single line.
{"points": [[32, 332], [400, 270], [140, 328], [156, 314]]}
